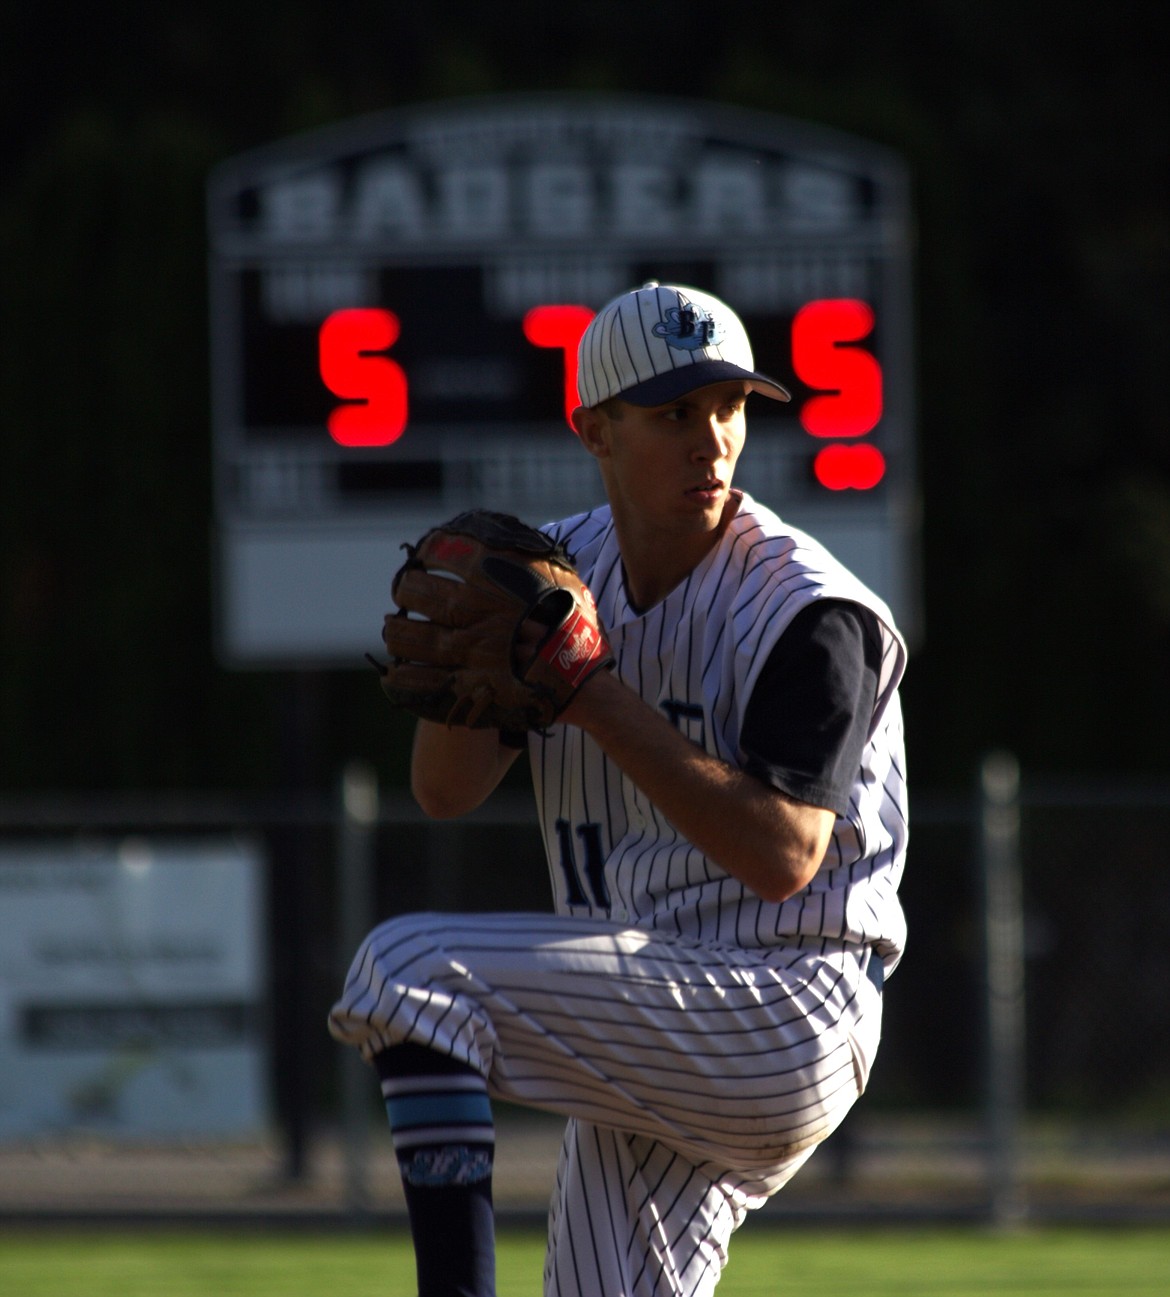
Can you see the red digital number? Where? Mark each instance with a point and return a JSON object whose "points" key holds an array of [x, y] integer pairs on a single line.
{"points": [[352, 367], [560, 327], [859, 466], [825, 356]]}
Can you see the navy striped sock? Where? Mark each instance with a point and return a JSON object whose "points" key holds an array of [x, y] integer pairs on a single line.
{"points": [[444, 1139]]}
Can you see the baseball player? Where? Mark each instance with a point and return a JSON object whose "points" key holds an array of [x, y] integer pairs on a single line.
{"points": [[724, 815]]}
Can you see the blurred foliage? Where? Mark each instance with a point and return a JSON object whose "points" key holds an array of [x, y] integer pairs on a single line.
{"points": [[1037, 147]]}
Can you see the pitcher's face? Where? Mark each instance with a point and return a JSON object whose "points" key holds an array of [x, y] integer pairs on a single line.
{"points": [[670, 467]]}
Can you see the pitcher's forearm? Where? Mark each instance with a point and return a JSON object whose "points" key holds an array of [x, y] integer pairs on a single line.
{"points": [[454, 770], [771, 842]]}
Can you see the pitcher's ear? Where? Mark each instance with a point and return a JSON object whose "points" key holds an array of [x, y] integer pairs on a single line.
{"points": [[591, 424]]}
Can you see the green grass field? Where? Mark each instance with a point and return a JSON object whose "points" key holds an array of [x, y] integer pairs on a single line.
{"points": [[1111, 1262]]}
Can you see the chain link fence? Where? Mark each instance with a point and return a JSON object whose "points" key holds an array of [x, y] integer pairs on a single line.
{"points": [[1025, 1066]]}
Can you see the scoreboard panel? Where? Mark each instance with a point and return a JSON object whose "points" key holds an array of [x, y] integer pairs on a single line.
{"points": [[395, 309]]}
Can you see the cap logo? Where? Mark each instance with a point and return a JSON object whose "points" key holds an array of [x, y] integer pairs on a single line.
{"points": [[689, 328]]}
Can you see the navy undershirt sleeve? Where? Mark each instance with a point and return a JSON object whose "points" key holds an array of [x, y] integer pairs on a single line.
{"points": [[807, 719]]}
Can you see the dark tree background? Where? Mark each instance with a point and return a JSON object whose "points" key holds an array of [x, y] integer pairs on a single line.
{"points": [[1038, 148]]}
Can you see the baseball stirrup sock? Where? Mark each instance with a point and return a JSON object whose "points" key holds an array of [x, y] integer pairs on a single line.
{"points": [[444, 1139]]}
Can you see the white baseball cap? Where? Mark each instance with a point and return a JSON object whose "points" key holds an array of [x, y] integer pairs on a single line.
{"points": [[656, 343]]}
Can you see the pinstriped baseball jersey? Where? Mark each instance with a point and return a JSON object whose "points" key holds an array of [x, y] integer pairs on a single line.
{"points": [[695, 657]]}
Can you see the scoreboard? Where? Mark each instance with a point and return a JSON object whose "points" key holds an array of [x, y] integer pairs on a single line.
{"points": [[396, 303]]}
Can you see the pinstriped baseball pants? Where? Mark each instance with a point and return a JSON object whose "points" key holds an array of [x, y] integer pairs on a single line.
{"points": [[697, 1078]]}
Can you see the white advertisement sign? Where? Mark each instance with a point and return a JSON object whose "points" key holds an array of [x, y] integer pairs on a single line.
{"points": [[131, 978]]}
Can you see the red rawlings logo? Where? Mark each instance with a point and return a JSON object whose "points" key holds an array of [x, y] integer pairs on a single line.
{"points": [[581, 644], [574, 648]]}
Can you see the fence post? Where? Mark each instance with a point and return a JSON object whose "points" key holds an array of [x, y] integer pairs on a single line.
{"points": [[1004, 954], [358, 820]]}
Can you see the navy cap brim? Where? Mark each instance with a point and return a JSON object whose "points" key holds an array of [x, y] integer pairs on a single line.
{"points": [[664, 388]]}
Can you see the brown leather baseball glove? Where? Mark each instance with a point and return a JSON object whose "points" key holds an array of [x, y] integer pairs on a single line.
{"points": [[456, 654]]}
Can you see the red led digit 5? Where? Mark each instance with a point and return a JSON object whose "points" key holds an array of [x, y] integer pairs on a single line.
{"points": [[353, 367], [826, 357]]}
